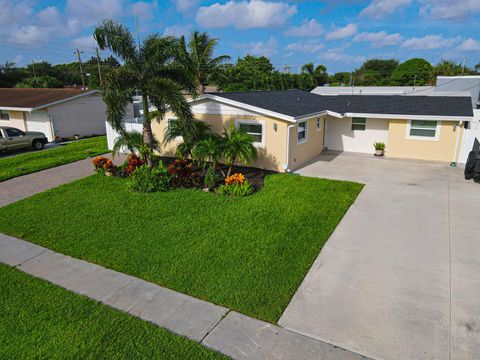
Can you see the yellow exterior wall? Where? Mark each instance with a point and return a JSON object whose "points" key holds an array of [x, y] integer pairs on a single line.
{"points": [[306, 151], [17, 120], [271, 156], [443, 149]]}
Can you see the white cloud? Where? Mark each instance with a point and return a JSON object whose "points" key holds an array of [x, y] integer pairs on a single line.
{"points": [[379, 39], [260, 48], [338, 54], [469, 45], [245, 14], [84, 42], [430, 42], [178, 30], [29, 35], [89, 12], [308, 28], [145, 10], [14, 12], [449, 9], [311, 46], [18, 60], [185, 5], [379, 8], [341, 32]]}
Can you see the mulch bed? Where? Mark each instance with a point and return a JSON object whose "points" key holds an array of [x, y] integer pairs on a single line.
{"points": [[254, 176]]}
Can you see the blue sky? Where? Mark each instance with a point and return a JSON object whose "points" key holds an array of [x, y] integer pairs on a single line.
{"points": [[340, 34]]}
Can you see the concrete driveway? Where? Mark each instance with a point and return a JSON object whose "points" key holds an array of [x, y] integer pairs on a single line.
{"points": [[400, 276]]}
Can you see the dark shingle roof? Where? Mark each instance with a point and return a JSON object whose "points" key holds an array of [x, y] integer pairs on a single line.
{"points": [[297, 103], [32, 98]]}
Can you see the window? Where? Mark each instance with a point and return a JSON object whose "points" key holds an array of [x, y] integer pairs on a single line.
{"points": [[302, 132], [255, 130], [12, 132], [171, 126], [4, 115], [359, 123], [319, 123], [423, 129]]}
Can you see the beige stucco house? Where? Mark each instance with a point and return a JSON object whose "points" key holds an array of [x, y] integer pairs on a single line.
{"points": [[292, 127], [58, 113]]}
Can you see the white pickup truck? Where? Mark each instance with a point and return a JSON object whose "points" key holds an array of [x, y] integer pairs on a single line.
{"points": [[15, 139]]}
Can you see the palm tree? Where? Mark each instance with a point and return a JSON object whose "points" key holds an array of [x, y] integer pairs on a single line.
{"points": [[198, 58], [199, 130], [318, 74], [236, 144], [209, 149], [150, 69], [133, 141]]}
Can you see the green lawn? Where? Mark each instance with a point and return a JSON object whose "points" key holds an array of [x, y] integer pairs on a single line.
{"points": [[40, 321], [249, 254], [30, 162]]}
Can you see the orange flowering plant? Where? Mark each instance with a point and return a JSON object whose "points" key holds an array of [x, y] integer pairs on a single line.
{"points": [[103, 164], [235, 179]]}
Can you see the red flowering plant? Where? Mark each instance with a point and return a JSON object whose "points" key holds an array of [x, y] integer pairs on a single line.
{"points": [[104, 165], [183, 174], [133, 162]]}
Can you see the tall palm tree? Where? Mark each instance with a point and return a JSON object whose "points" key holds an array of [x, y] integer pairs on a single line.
{"points": [[318, 74], [236, 144], [149, 68], [199, 60]]}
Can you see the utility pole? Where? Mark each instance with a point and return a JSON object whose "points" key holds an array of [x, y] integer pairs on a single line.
{"points": [[33, 67], [81, 67], [136, 27], [463, 65], [287, 69], [99, 70], [414, 82]]}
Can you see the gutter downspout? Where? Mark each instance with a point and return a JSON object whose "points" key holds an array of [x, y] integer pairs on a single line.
{"points": [[460, 123], [286, 166]]}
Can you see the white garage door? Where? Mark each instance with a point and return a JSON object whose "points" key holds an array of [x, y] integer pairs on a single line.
{"points": [[41, 123], [341, 135]]}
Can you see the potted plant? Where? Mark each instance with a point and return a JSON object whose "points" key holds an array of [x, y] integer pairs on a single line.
{"points": [[379, 148]]}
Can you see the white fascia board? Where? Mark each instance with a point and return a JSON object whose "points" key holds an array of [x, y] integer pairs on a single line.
{"points": [[410, 117], [252, 108], [7, 108], [65, 100]]}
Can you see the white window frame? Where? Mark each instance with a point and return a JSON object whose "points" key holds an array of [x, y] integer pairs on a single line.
{"points": [[318, 123], [423, 138], [358, 117], [304, 140], [239, 122], [6, 112]]}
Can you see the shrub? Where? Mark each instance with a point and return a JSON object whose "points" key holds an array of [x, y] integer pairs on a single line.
{"points": [[236, 189], [181, 171], [235, 179], [104, 165], [210, 178], [147, 179], [133, 162]]}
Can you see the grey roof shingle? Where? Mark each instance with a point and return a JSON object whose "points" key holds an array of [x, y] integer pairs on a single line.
{"points": [[297, 103]]}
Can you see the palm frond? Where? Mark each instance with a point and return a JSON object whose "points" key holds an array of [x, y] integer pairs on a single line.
{"points": [[113, 36]]}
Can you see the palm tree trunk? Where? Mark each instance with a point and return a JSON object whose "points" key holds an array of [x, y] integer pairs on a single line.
{"points": [[147, 128], [231, 167]]}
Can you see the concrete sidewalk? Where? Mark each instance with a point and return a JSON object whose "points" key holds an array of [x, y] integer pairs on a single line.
{"points": [[216, 327], [27, 185]]}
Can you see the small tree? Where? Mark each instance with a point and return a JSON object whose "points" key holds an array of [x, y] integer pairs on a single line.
{"points": [[236, 144], [209, 149], [133, 141], [196, 131]]}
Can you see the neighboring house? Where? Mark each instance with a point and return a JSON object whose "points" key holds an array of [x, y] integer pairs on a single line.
{"points": [[58, 113], [292, 127], [369, 90]]}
